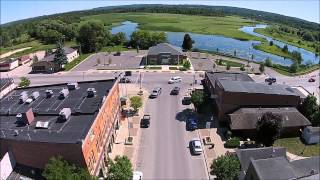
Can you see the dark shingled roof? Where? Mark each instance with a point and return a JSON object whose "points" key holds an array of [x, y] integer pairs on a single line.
{"points": [[67, 51], [83, 112], [165, 48], [246, 155], [246, 118]]}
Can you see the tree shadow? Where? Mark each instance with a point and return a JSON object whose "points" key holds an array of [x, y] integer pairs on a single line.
{"points": [[184, 115]]}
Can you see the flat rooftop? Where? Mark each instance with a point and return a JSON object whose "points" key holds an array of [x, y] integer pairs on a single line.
{"points": [[231, 76], [83, 112], [5, 82]]}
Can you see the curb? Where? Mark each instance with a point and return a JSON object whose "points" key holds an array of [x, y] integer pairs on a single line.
{"points": [[205, 156], [81, 62]]}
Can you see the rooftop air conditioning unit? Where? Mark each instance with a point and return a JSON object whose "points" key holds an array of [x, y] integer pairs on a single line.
{"points": [[49, 93], [63, 93], [43, 124], [72, 86], [23, 97], [91, 92], [65, 113], [35, 95]]}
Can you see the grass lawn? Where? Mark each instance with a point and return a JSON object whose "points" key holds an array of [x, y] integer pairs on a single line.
{"points": [[113, 49], [301, 70], [273, 50], [286, 38], [295, 146], [75, 62], [231, 63], [226, 26], [173, 68], [153, 67]]}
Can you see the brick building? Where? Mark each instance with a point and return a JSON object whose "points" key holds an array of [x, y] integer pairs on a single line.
{"points": [[78, 123], [165, 54]]}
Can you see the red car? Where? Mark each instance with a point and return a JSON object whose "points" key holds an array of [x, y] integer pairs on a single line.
{"points": [[311, 80]]}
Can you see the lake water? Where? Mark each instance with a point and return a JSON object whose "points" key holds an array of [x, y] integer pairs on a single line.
{"points": [[244, 49]]}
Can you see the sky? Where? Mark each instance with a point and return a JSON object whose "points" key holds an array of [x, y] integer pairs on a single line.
{"points": [[12, 10]]}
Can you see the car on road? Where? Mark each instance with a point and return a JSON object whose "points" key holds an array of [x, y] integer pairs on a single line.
{"points": [[270, 80], [196, 146], [145, 121], [186, 100], [175, 91], [175, 79], [192, 124], [155, 93], [312, 79], [125, 80], [137, 175]]}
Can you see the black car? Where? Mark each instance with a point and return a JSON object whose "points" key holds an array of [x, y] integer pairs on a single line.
{"points": [[270, 80], [186, 100], [145, 121], [125, 80], [175, 91]]}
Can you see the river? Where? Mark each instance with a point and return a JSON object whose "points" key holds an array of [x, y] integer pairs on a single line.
{"points": [[243, 49]]}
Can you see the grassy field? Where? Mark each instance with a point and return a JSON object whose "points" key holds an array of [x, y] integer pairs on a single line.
{"points": [[273, 50], [286, 38], [226, 26], [301, 70], [231, 63], [295, 146], [75, 62], [113, 49]]}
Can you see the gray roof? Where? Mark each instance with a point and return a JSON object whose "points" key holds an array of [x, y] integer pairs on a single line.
{"points": [[315, 131], [246, 118], [5, 82], [303, 167], [83, 112], [50, 57], [165, 48], [257, 88], [246, 155], [231, 76], [8, 60], [68, 50]]}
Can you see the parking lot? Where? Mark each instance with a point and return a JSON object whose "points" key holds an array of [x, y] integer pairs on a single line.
{"points": [[105, 61]]}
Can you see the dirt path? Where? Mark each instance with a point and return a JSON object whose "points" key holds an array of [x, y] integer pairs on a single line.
{"points": [[13, 52]]}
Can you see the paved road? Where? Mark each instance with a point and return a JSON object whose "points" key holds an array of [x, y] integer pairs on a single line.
{"points": [[163, 151]]}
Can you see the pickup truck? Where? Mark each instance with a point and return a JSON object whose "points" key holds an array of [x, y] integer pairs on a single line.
{"points": [[145, 121]]}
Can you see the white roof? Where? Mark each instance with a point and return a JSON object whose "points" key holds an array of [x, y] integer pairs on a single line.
{"points": [[42, 124]]}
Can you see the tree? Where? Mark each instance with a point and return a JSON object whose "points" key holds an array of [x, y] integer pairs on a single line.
{"points": [[60, 57], [225, 167], [285, 48], [242, 68], [268, 62], [268, 128], [135, 102], [120, 168], [309, 108], [186, 64], [92, 36], [293, 68], [35, 59], [261, 68], [187, 42], [297, 56], [234, 53], [145, 39], [228, 66], [197, 98], [57, 169], [271, 43], [119, 38], [24, 82]]}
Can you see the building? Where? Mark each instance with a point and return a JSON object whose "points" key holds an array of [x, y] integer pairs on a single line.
{"points": [[272, 163], [311, 135], [46, 65], [6, 85], [8, 64], [165, 54], [243, 121], [24, 59], [77, 121]]}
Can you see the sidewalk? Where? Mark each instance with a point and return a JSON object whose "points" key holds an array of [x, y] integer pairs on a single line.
{"points": [[119, 147]]}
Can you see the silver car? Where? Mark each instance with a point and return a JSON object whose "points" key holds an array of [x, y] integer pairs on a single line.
{"points": [[155, 93], [196, 146]]}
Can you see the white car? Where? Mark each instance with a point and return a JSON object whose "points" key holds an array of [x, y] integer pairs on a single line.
{"points": [[196, 146], [175, 79], [137, 175]]}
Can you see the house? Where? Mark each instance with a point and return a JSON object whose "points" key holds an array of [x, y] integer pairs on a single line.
{"points": [[80, 126], [165, 54], [311, 135], [24, 59], [271, 163], [243, 121], [8, 64], [6, 85], [47, 65]]}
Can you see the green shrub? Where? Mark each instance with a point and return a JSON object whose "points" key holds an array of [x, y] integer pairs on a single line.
{"points": [[228, 66], [233, 142], [242, 68], [182, 69]]}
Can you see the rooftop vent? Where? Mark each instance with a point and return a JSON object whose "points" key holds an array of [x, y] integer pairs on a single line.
{"points": [[72, 86], [25, 117], [35, 95], [42, 124], [65, 113], [23, 97], [49, 93], [91, 92], [63, 93]]}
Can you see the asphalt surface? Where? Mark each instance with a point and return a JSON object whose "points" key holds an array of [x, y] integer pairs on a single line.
{"points": [[164, 147]]}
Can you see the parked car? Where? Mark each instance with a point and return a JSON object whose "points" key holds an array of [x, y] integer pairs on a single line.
{"points": [[175, 91], [270, 80], [155, 93], [137, 175], [196, 146], [128, 73], [145, 121], [192, 124], [312, 79], [186, 100], [175, 79], [125, 80]]}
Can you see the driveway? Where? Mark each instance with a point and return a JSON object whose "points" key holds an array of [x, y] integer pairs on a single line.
{"points": [[103, 60]]}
